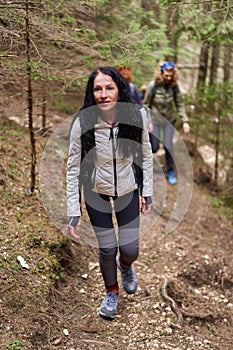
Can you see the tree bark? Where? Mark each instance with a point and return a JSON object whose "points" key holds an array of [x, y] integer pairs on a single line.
{"points": [[217, 140], [227, 60], [44, 108], [172, 23], [203, 64], [204, 54], [214, 63], [30, 101]]}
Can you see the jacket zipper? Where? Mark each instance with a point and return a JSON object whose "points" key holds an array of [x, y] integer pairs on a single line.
{"points": [[114, 161], [94, 177]]}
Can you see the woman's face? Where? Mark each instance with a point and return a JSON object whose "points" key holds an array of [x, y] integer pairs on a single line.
{"points": [[167, 76], [106, 93]]}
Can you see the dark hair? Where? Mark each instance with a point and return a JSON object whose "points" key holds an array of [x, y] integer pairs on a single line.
{"points": [[128, 113], [124, 91]]}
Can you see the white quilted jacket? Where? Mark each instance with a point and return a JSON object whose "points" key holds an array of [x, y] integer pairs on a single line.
{"points": [[113, 174]]}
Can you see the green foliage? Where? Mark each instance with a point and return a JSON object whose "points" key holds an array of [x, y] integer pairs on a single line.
{"points": [[69, 41], [223, 205], [213, 108], [15, 345], [126, 38], [62, 41], [217, 202], [203, 20]]}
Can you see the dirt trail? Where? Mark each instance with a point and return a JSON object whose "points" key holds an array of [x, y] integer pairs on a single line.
{"points": [[196, 258]]}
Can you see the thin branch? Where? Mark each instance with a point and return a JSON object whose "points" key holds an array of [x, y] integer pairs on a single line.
{"points": [[41, 58], [8, 56], [95, 342], [70, 41], [15, 7], [192, 2], [21, 3], [228, 9], [11, 32]]}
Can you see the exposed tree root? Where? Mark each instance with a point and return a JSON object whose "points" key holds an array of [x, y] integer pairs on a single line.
{"points": [[174, 306], [181, 312], [187, 313]]}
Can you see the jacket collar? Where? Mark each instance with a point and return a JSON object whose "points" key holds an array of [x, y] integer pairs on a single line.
{"points": [[103, 123]]}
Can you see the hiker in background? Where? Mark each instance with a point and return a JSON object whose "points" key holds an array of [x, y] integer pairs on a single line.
{"points": [[105, 142], [162, 95], [126, 73], [142, 92]]}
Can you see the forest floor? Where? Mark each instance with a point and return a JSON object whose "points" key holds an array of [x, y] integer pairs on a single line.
{"points": [[54, 304]]}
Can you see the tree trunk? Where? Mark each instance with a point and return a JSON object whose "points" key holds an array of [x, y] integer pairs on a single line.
{"points": [[30, 102], [204, 54], [227, 60], [216, 166], [214, 63], [229, 185], [148, 5], [203, 64], [172, 23], [44, 108]]}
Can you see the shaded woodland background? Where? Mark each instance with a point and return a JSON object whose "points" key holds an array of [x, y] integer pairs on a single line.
{"points": [[47, 50]]}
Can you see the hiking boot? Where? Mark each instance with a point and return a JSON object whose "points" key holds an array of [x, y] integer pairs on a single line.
{"points": [[171, 177], [129, 278], [108, 308]]}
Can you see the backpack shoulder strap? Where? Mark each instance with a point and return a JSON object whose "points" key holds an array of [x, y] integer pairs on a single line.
{"points": [[153, 94], [87, 141], [174, 92]]}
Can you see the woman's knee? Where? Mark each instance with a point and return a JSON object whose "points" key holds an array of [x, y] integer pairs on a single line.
{"points": [[129, 253], [108, 253]]}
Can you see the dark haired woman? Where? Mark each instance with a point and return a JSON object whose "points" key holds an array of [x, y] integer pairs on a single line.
{"points": [[107, 141], [161, 96]]}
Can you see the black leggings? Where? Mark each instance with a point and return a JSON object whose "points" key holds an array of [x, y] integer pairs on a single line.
{"points": [[100, 209]]}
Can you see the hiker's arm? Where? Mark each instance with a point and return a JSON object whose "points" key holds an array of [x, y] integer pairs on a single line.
{"points": [[180, 105], [73, 170], [147, 99], [147, 161], [146, 102]]}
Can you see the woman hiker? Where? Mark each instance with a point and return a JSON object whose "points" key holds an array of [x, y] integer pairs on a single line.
{"points": [[161, 96], [126, 73], [110, 157]]}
